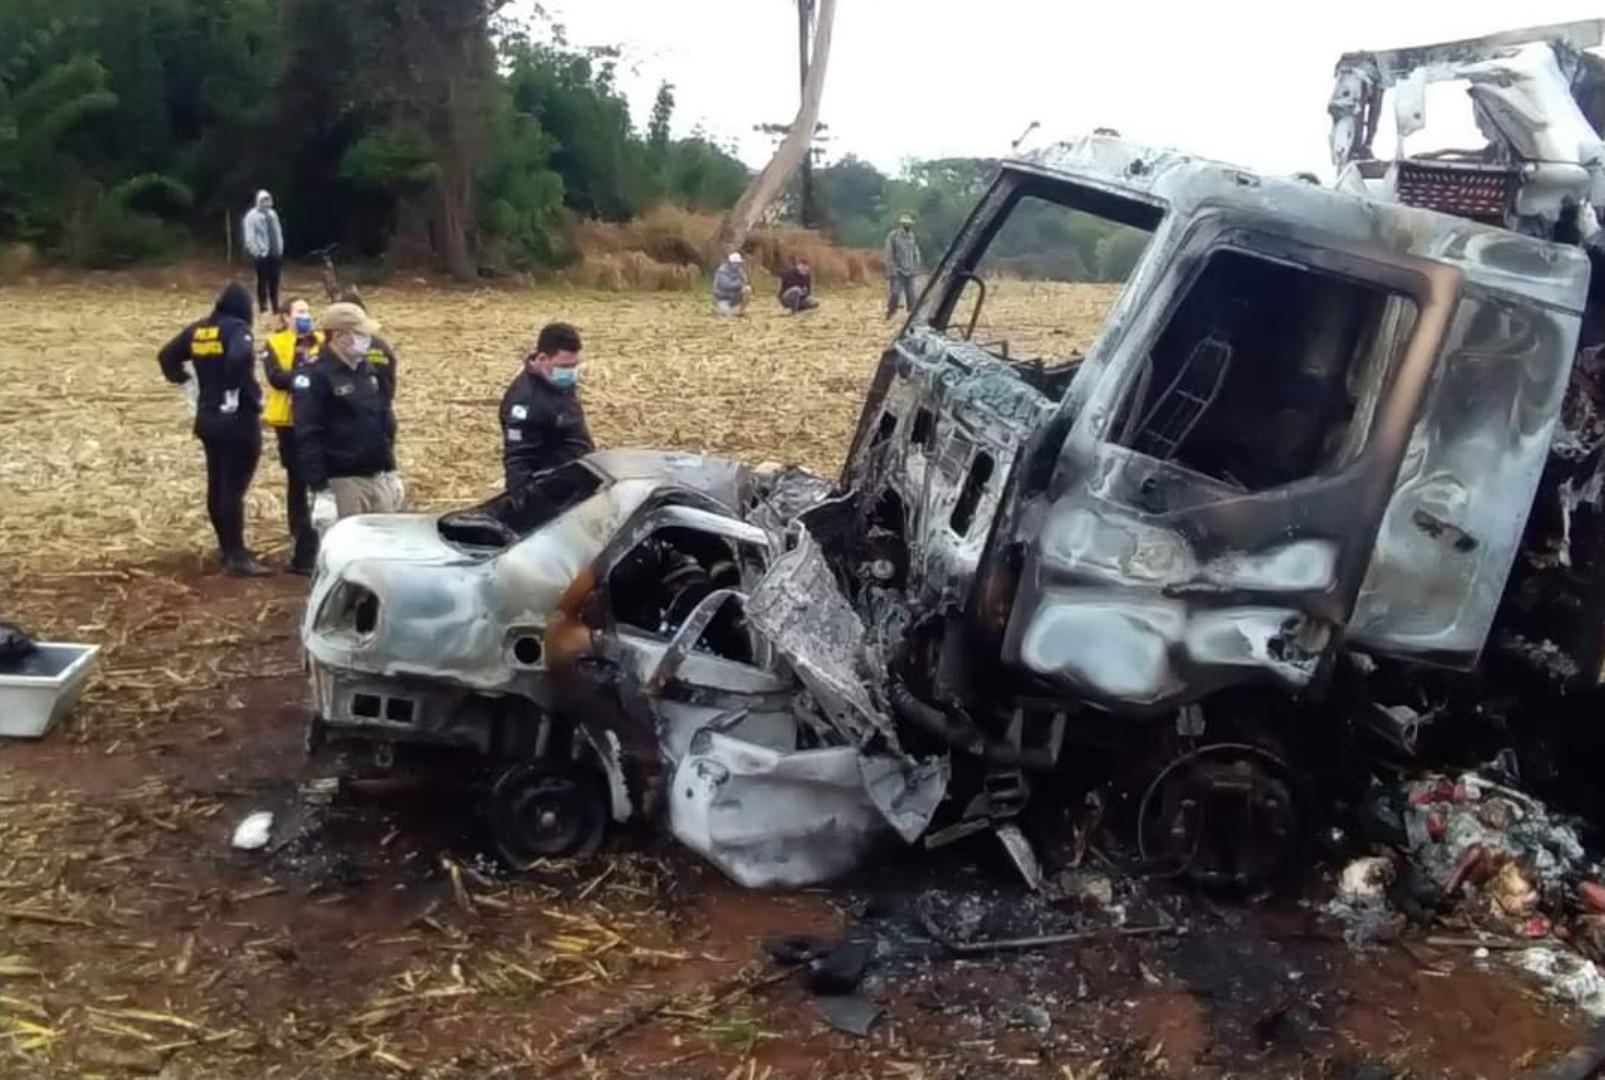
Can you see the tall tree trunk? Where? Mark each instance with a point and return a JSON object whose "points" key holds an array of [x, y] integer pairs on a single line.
{"points": [[454, 214], [440, 79], [459, 128], [792, 149]]}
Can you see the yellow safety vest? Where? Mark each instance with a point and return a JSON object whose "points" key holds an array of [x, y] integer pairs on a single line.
{"points": [[281, 346]]}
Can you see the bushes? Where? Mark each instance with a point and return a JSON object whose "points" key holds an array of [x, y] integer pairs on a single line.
{"points": [[131, 223]]}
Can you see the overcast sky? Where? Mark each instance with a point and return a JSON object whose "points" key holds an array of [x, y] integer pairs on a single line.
{"points": [[1245, 82]]}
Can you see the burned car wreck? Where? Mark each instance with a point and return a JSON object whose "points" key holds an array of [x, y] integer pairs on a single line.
{"points": [[1317, 471]]}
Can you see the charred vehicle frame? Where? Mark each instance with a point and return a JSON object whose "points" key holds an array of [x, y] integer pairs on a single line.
{"points": [[1288, 481]]}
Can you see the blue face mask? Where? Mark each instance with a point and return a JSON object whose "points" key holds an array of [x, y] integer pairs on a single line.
{"points": [[303, 324], [564, 377]]}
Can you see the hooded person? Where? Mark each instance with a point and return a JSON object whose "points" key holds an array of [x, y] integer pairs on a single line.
{"points": [[264, 243], [214, 360], [344, 427], [730, 286]]}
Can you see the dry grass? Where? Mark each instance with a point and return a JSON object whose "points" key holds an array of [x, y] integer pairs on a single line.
{"points": [[665, 249], [98, 465]]}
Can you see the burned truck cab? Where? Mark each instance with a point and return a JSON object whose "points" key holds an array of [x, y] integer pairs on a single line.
{"points": [[1293, 423]]}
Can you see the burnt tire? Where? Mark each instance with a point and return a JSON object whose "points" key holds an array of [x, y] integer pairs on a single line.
{"points": [[544, 811]]}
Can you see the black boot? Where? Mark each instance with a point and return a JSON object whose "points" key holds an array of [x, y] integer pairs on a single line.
{"points": [[242, 564]]}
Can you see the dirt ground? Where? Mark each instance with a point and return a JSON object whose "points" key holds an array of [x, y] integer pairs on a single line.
{"points": [[374, 937]]}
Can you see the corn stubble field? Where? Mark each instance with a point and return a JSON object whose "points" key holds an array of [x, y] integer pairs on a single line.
{"points": [[133, 941], [372, 938], [98, 467]]}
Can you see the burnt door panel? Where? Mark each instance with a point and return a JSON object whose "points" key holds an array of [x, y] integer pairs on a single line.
{"points": [[1217, 502]]}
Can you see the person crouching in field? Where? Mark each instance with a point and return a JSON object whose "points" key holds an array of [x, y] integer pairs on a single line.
{"points": [[730, 287], [288, 352], [797, 288], [227, 401], [344, 427], [543, 425]]}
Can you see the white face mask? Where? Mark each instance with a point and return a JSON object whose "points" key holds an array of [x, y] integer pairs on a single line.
{"points": [[359, 345]]}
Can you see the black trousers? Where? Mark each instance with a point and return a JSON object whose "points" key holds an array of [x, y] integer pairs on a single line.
{"points": [[267, 283], [297, 503], [233, 446]]}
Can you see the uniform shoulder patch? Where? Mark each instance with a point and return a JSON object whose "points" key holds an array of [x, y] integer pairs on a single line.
{"points": [[519, 412], [301, 382]]}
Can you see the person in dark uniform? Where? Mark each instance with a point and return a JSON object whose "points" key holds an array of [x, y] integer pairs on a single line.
{"points": [[543, 425], [380, 355], [228, 405], [344, 428]]}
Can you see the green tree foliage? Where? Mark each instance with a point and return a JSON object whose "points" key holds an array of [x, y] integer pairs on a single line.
{"points": [[701, 175], [572, 96], [1039, 240]]}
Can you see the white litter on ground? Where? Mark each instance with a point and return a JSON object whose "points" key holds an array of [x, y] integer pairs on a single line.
{"points": [[1567, 976], [252, 833]]}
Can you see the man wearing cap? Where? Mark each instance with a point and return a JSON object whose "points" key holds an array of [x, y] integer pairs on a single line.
{"points": [[730, 288], [903, 264], [344, 426], [380, 353], [543, 425], [264, 242]]}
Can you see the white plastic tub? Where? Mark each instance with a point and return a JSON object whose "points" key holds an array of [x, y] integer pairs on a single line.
{"points": [[43, 687]]}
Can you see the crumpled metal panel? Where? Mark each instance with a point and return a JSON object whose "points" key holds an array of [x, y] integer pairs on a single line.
{"points": [[1452, 530], [446, 613], [798, 607], [773, 819], [1148, 651]]}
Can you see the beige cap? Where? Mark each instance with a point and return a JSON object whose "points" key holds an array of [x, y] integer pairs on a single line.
{"points": [[906, 219], [348, 317]]}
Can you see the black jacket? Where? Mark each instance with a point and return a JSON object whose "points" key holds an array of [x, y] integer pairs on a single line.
{"points": [[343, 422], [794, 278], [543, 427], [224, 356], [383, 359]]}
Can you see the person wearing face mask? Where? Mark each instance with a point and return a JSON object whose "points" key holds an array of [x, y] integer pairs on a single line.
{"points": [[288, 352], [226, 399], [543, 425], [380, 354], [344, 427]]}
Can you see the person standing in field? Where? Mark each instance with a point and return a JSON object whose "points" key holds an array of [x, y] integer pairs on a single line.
{"points": [[344, 429], [903, 264], [264, 243], [797, 287], [226, 399], [730, 287], [380, 354], [288, 352], [543, 424]]}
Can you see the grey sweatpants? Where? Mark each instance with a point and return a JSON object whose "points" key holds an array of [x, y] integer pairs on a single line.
{"points": [[895, 284]]}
